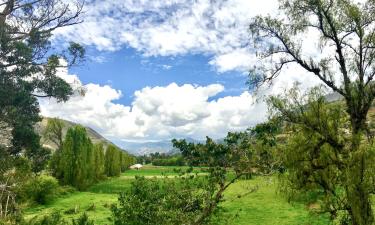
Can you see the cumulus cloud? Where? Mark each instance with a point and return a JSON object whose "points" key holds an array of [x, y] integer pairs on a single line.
{"points": [[159, 113]]}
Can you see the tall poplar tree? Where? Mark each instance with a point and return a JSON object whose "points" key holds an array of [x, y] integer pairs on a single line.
{"points": [[112, 161], [99, 167], [77, 159]]}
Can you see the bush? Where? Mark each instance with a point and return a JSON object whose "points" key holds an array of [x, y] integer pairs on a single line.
{"points": [[53, 219], [56, 219], [167, 202], [41, 189]]}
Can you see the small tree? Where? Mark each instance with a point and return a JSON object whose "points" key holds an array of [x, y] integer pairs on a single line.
{"points": [[220, 159]]}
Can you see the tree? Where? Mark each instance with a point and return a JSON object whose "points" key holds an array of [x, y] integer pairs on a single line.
{"points": [[160, 201], [112, 161], [126, 161], [98, 164], [28, 64], [77, 157], [220, 159], [54, 132], [345, 64]]}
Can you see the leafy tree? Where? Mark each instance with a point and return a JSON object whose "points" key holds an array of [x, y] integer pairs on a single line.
{"points": [[264, 141], [112, 161], [345, 64], [98, 164], [126, 161], [77, 159], [318, 152], [28, 65], [220, 159], [54, 132]]}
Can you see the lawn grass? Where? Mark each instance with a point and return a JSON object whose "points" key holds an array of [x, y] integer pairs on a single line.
{"points": [[262, 207]]}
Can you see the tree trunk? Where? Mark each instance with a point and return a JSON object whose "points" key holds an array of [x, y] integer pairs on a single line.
{"points": [[360, 207]]}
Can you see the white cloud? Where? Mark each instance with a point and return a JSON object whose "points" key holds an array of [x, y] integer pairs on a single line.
{"points": [[173, 27], [159, 113]]}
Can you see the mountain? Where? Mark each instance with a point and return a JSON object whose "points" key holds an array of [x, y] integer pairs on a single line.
{"points": [[145, 148], [94, 136], [333, 97]]}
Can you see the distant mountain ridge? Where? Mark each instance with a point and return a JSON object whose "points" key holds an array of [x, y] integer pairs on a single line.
{"points": [[145, 148]]}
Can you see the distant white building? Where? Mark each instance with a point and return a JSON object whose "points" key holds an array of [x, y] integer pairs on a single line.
{"points": [[136, 166]]}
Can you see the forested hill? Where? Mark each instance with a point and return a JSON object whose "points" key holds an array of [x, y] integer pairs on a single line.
{"points": [[94, 136]]}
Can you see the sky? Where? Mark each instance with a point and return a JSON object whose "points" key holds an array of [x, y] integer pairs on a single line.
{"points": [[162, 69]]}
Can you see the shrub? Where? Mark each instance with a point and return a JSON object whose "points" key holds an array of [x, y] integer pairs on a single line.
{"points": [[41, 189], [52, 219], [56, 219], [167, 202], [83, 220]]}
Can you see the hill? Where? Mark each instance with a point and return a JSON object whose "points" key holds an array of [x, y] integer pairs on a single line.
{"points": [[94, 136]]}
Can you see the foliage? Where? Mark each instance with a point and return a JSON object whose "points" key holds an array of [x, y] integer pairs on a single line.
{"points": [[77, 158], [220, 159], [83, 220], [318, 154], [345, 64], [150, 201], [264, 143], [162, 159], [56, 219], [112, 161], [98, 163], [169, 161], [117, 161], [41, 189], [28, 66], [54, 132], [14, 171], [126, 160]]}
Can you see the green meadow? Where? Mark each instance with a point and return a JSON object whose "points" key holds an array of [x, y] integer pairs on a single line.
{"points": [[241, 206]]}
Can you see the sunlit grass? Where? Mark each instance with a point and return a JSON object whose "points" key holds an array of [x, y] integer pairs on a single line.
{"points": [[262, 207]]}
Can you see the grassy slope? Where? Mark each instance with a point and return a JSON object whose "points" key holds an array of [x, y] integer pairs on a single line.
{"points": [[261, 207]]}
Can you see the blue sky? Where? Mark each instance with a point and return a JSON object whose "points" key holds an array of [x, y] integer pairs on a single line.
{"points": [[128, 70]]}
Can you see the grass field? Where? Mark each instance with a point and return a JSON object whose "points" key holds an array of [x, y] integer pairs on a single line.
{"points": [[262, 207]]}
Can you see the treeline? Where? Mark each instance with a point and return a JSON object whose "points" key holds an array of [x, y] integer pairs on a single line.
{"points": [[80, 163], [162, 159]]}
